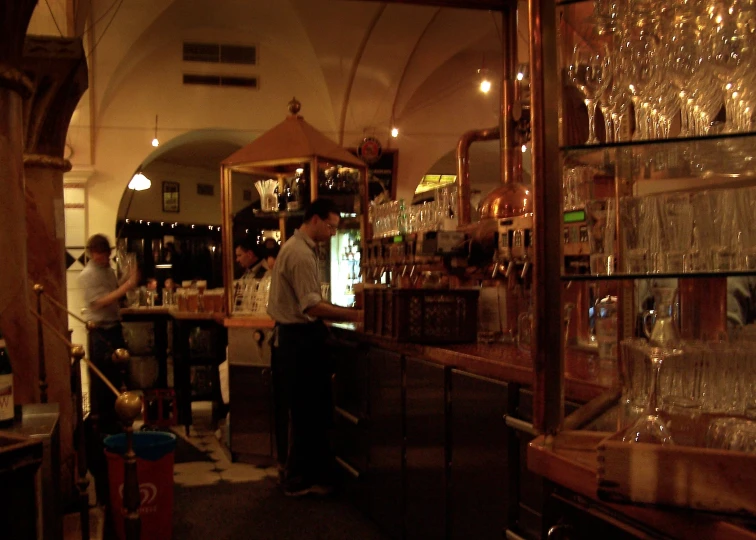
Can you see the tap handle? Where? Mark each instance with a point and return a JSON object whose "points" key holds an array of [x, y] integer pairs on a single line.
{"points": [[525, 270]]}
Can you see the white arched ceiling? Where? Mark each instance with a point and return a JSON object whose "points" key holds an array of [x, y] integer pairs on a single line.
{"points": [[417, 67]]}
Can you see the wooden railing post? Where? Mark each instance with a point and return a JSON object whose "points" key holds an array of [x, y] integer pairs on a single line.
{"points": [[121, 359], [128, 406], [82, 483], [38, 290]]}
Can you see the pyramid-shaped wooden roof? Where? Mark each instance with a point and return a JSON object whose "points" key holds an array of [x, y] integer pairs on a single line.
{"points": [[291, 139]]}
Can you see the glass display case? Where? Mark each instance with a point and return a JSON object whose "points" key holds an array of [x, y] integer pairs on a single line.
{"points": [[291, 165], [657, 175]]}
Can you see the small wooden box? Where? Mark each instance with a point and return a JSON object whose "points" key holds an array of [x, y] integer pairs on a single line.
{"points": [[690, 477]]}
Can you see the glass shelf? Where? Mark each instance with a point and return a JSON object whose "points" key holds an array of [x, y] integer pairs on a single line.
{"points": [[679, 275], [658, 142], [283, 214], [731, 156]]}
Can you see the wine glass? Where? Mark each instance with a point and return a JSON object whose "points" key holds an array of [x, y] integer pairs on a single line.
{"points": [[650, 427], [636, 58], [587, 72]]}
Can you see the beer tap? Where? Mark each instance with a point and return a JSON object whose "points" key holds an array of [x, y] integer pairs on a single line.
{"points": [[525, 269], [510, 268]]}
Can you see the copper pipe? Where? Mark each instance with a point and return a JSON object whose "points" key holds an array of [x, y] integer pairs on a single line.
{"points": [[506, 130], [463, 168], [547, 352], [509, 60]]}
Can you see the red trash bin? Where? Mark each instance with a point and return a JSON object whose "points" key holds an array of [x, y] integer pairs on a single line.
{"points": [[155, 452]]}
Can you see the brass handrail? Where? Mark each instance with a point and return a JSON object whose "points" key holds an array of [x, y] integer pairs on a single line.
{"points": [[39, 289], [128, 406]]}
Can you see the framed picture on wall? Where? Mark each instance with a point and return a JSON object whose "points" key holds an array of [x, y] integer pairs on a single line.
{"points": [[171, 202]]}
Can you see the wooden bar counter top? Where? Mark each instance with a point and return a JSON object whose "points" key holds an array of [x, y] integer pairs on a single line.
{"points": [[500, 361], [570, 460]]}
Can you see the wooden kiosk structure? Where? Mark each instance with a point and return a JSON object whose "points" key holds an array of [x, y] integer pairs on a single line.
{"points": [[278, 153]]}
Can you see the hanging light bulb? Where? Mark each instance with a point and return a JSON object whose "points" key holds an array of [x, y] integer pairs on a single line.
{"points": [[394, 132], [485, 80], [155, 141]]}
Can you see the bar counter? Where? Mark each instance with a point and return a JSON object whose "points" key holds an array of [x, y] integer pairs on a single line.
{"points": [[499, 361], [569, 459]]}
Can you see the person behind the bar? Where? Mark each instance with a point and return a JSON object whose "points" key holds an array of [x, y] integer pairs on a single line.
{"points": [[271, 248], [248, 255], [102, 292], [300, 353]]}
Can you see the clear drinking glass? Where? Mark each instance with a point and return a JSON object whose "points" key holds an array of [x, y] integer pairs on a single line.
{"points": [[641, 233], [677, 230], [602, 226], [588, 73]]}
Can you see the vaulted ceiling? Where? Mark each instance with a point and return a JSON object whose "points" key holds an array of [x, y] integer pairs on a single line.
{"points": [[362, 66]]}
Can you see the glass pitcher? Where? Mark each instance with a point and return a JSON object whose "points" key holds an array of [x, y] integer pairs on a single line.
{"points": [[660, 325]]}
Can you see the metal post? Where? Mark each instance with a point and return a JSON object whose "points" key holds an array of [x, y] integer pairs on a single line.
{"points": [[82, 483], [128, 406], [121, 358], [39, 290]]}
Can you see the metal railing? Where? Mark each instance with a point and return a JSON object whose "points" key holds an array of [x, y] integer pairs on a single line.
{"points": [[128, 406]]}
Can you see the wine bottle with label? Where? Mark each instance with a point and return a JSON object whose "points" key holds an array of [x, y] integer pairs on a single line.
{"points": [[6, 386]]}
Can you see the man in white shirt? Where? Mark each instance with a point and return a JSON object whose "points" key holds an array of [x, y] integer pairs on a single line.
{"points": [[300, 357]]}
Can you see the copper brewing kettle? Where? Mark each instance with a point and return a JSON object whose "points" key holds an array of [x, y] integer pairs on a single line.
{"points": [[508, 200]]}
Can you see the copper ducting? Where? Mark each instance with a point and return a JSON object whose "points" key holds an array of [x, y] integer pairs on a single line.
{"points": [[512, 198], [463, 168]]}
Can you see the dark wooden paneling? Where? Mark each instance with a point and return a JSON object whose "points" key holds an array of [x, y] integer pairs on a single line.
{"points": [[478, 484], [251, 413], [532, 497], [572, 517], [351, 376], [469, 4], [425, 407], [386, 441]]}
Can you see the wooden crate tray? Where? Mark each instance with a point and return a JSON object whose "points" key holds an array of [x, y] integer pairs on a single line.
{"points": [[707, 479]]}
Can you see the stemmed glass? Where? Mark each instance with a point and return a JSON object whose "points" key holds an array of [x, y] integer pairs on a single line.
{"points": [[650, 427], [728, 31], [636, 58], [587, 72]]}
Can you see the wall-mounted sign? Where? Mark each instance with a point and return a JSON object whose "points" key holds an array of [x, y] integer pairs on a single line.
{"points": [[171, 201], [370, 150], [382, 175]]}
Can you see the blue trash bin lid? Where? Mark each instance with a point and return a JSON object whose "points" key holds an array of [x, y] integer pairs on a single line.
{"points": [[149, 445]]}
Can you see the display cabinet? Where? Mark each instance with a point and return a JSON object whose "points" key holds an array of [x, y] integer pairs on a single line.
{"points": [[653, 226], [291, 165]]}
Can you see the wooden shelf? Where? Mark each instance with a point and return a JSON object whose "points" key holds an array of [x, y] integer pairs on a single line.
{"points": [[570, 459]]}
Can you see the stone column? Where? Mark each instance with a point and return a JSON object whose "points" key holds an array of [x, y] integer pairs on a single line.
{"points": [[57, 69], [19, 328]]}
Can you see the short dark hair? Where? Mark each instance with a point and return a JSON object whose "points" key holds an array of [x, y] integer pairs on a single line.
{"points": [[98, 243], [321, 207], [246, 243], [271, 248]]}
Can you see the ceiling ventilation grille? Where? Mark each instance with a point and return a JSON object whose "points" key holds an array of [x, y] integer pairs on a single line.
{"points": [[221, 80], [217, 53]]}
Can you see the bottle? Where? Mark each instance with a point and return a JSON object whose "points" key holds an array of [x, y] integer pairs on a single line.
{"points": [[401, 220], [6, 386]]}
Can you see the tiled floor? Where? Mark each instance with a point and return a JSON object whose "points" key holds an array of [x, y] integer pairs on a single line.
{"points": [[221, 468], [215, 498]]}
